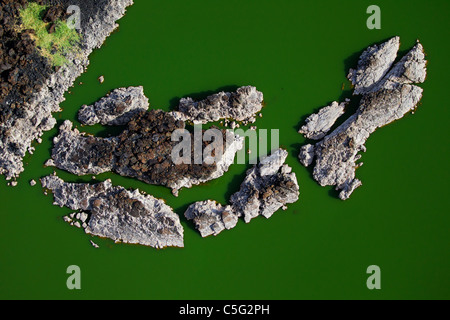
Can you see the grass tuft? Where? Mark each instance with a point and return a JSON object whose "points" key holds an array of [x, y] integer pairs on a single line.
{"points": [[54, 46]]}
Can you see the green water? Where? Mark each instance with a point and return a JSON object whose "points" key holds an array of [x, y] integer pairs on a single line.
{"points": [[297, 53]]}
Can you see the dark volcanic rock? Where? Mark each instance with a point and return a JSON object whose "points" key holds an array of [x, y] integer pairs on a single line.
{"points": [[142, 151]]}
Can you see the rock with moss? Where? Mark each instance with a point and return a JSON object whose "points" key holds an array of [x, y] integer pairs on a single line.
{"points": [[113, 212], [25, 110]]}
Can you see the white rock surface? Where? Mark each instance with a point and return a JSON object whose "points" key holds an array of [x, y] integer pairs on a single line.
{"points": [[119, 214]]}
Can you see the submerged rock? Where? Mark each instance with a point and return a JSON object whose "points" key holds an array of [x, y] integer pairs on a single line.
{"points": [[388, 95], [242, 105], [116, 109], [118, 214], [268, 187]]}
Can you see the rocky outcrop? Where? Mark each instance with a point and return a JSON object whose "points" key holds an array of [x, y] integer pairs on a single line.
{"points": [[143, 151], [211, 218], [118, 214], [373, 65], [319, 124], [388, 95], [269, 186], [242, 106], [18, 131], [116, 109]]}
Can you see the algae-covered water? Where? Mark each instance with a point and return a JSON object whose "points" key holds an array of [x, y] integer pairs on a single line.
{"points": [[298, 54]]}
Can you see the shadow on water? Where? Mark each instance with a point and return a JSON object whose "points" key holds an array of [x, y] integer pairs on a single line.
{"points": [[197, 96]]}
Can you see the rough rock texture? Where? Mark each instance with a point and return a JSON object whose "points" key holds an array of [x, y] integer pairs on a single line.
{"points": [[211, 218], [142, 151], [117, 108], [118, 214], [19, 130], [319, 124], [383, 102], [242, 105], [306, 155], [373, 65], [268, 186]]}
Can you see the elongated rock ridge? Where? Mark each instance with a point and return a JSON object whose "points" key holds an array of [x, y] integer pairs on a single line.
{"points": [[269, 186], [241, 106], [388, 94], [122, 215], [117, 108], [22, 124], [319, 124]]}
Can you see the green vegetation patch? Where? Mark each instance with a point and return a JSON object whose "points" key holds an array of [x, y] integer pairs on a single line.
{"points": [[55, 45]]}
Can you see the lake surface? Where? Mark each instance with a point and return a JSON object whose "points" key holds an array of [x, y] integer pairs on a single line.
{"points": [[298, 54]]}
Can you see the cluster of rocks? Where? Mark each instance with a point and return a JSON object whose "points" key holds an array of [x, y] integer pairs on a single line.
{"points": [[388, 94], [144, 150], [122, 215], [269, 186], [240, 106], [31, 90]]}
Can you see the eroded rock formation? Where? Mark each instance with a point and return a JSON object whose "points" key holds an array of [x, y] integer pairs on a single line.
{"points": [[122, 215], [269, 186], [388, 95]]}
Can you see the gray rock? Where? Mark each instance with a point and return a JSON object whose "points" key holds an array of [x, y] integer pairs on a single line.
{"points": [[118, 214], [384, 101], [319, 124], [211, 218], [373, 65], [268, 187], [117, 108], [32, 183], [37, 117], [242, 105], [306, 155], [80, 154]]}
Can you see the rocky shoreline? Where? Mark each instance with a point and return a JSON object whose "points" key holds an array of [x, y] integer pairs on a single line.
{"points": [[20, 129]]}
